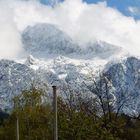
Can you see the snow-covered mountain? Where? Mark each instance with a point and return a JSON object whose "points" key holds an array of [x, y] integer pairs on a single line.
{"points": [[45, 40], [125, 77], [56, 57], [14, 78]]}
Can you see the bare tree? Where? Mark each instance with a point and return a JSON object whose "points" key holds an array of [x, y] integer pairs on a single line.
{"points": [[104, 91]]}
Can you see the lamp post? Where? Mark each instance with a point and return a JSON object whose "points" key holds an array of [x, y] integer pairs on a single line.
{"points": [[17, 126], [55, 113]]}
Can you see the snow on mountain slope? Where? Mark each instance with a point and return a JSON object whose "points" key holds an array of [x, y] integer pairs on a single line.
{"points": [[44, 40], [124, 74], [14, 78], [55, 57], [73, 62], [125, 77]]}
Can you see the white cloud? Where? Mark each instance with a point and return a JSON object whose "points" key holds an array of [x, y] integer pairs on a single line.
{"points": [[53, 2], [83, 22], [10, 42], [134, 10]]}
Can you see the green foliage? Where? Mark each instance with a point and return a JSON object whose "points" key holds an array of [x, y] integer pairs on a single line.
{"points": [[78, 119], [79, 125], [34, 117]]}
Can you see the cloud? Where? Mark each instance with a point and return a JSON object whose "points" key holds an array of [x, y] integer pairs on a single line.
{"points": [[10, 41], [134, 10], [83, 22]]}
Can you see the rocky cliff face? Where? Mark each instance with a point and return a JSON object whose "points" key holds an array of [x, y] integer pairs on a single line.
{"points": [[125, 77], [14, 78]]}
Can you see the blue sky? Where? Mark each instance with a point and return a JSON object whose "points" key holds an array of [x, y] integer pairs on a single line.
{"points": [[126, 7]]}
